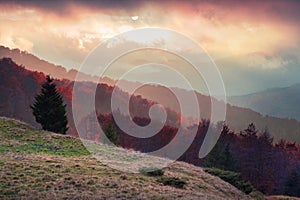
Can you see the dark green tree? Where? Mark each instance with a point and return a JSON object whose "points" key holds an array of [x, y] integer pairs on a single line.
{"points": [[250, 132], [265, 162], [292, 185], [215, 158], [111, 133], [221, 158], [49, 109], [229, 163]]}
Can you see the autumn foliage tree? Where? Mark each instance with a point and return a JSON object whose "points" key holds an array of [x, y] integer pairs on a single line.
{"points": [[49, 109]]}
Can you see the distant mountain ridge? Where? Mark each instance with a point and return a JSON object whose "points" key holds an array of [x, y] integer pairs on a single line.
{"points": [[237, 117], [278, 102], [33, 63]]}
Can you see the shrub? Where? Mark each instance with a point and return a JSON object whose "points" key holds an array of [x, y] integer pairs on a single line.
{"points": [[231, 177], [172, 181], [151, 171], [257, 195]]}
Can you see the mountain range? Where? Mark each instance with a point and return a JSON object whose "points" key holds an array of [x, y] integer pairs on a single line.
{"points": [[278, 102], [34, 63], [19, 85]]}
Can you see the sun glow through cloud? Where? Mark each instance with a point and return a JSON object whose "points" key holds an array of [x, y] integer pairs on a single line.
{"points": [[65, 33], [134, 18]]}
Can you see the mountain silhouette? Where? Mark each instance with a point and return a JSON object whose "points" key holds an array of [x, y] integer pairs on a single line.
{"points": [[19, 86], [278, 102]]}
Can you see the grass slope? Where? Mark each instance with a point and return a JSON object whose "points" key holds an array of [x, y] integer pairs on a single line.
{"points": [[42, 165]]}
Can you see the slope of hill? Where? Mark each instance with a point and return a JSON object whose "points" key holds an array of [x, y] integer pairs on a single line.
{"points": [[278, 102], [39, 164], [237, 118], [33, 63], [19, 86]]}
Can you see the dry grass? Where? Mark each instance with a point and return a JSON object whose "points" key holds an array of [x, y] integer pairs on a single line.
{"points": [[39, 165]]}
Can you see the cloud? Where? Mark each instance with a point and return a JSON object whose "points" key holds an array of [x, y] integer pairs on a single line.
{"points": [[65, 8], [64, 32], [213, 10]]}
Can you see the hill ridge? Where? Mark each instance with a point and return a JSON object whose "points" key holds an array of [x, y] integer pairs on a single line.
{"points": [[278, 102], [78, 175]]}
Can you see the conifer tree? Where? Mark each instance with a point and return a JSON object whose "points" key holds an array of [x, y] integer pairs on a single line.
{"points": [[49, 109], [292, 185], [229, 163], [111, 134], [215, 157]]}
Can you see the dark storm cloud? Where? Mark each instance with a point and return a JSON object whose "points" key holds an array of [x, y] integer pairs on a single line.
{"points": [[63, 5], [286, 10]]}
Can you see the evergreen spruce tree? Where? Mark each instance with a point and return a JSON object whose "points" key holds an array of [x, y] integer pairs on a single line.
{"points": [[292, 185], [111, 134], [229, 163], [49, 109], [215, 157]]}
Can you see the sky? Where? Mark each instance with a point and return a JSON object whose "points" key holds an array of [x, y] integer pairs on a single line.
{"points": [[255, 44]]}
